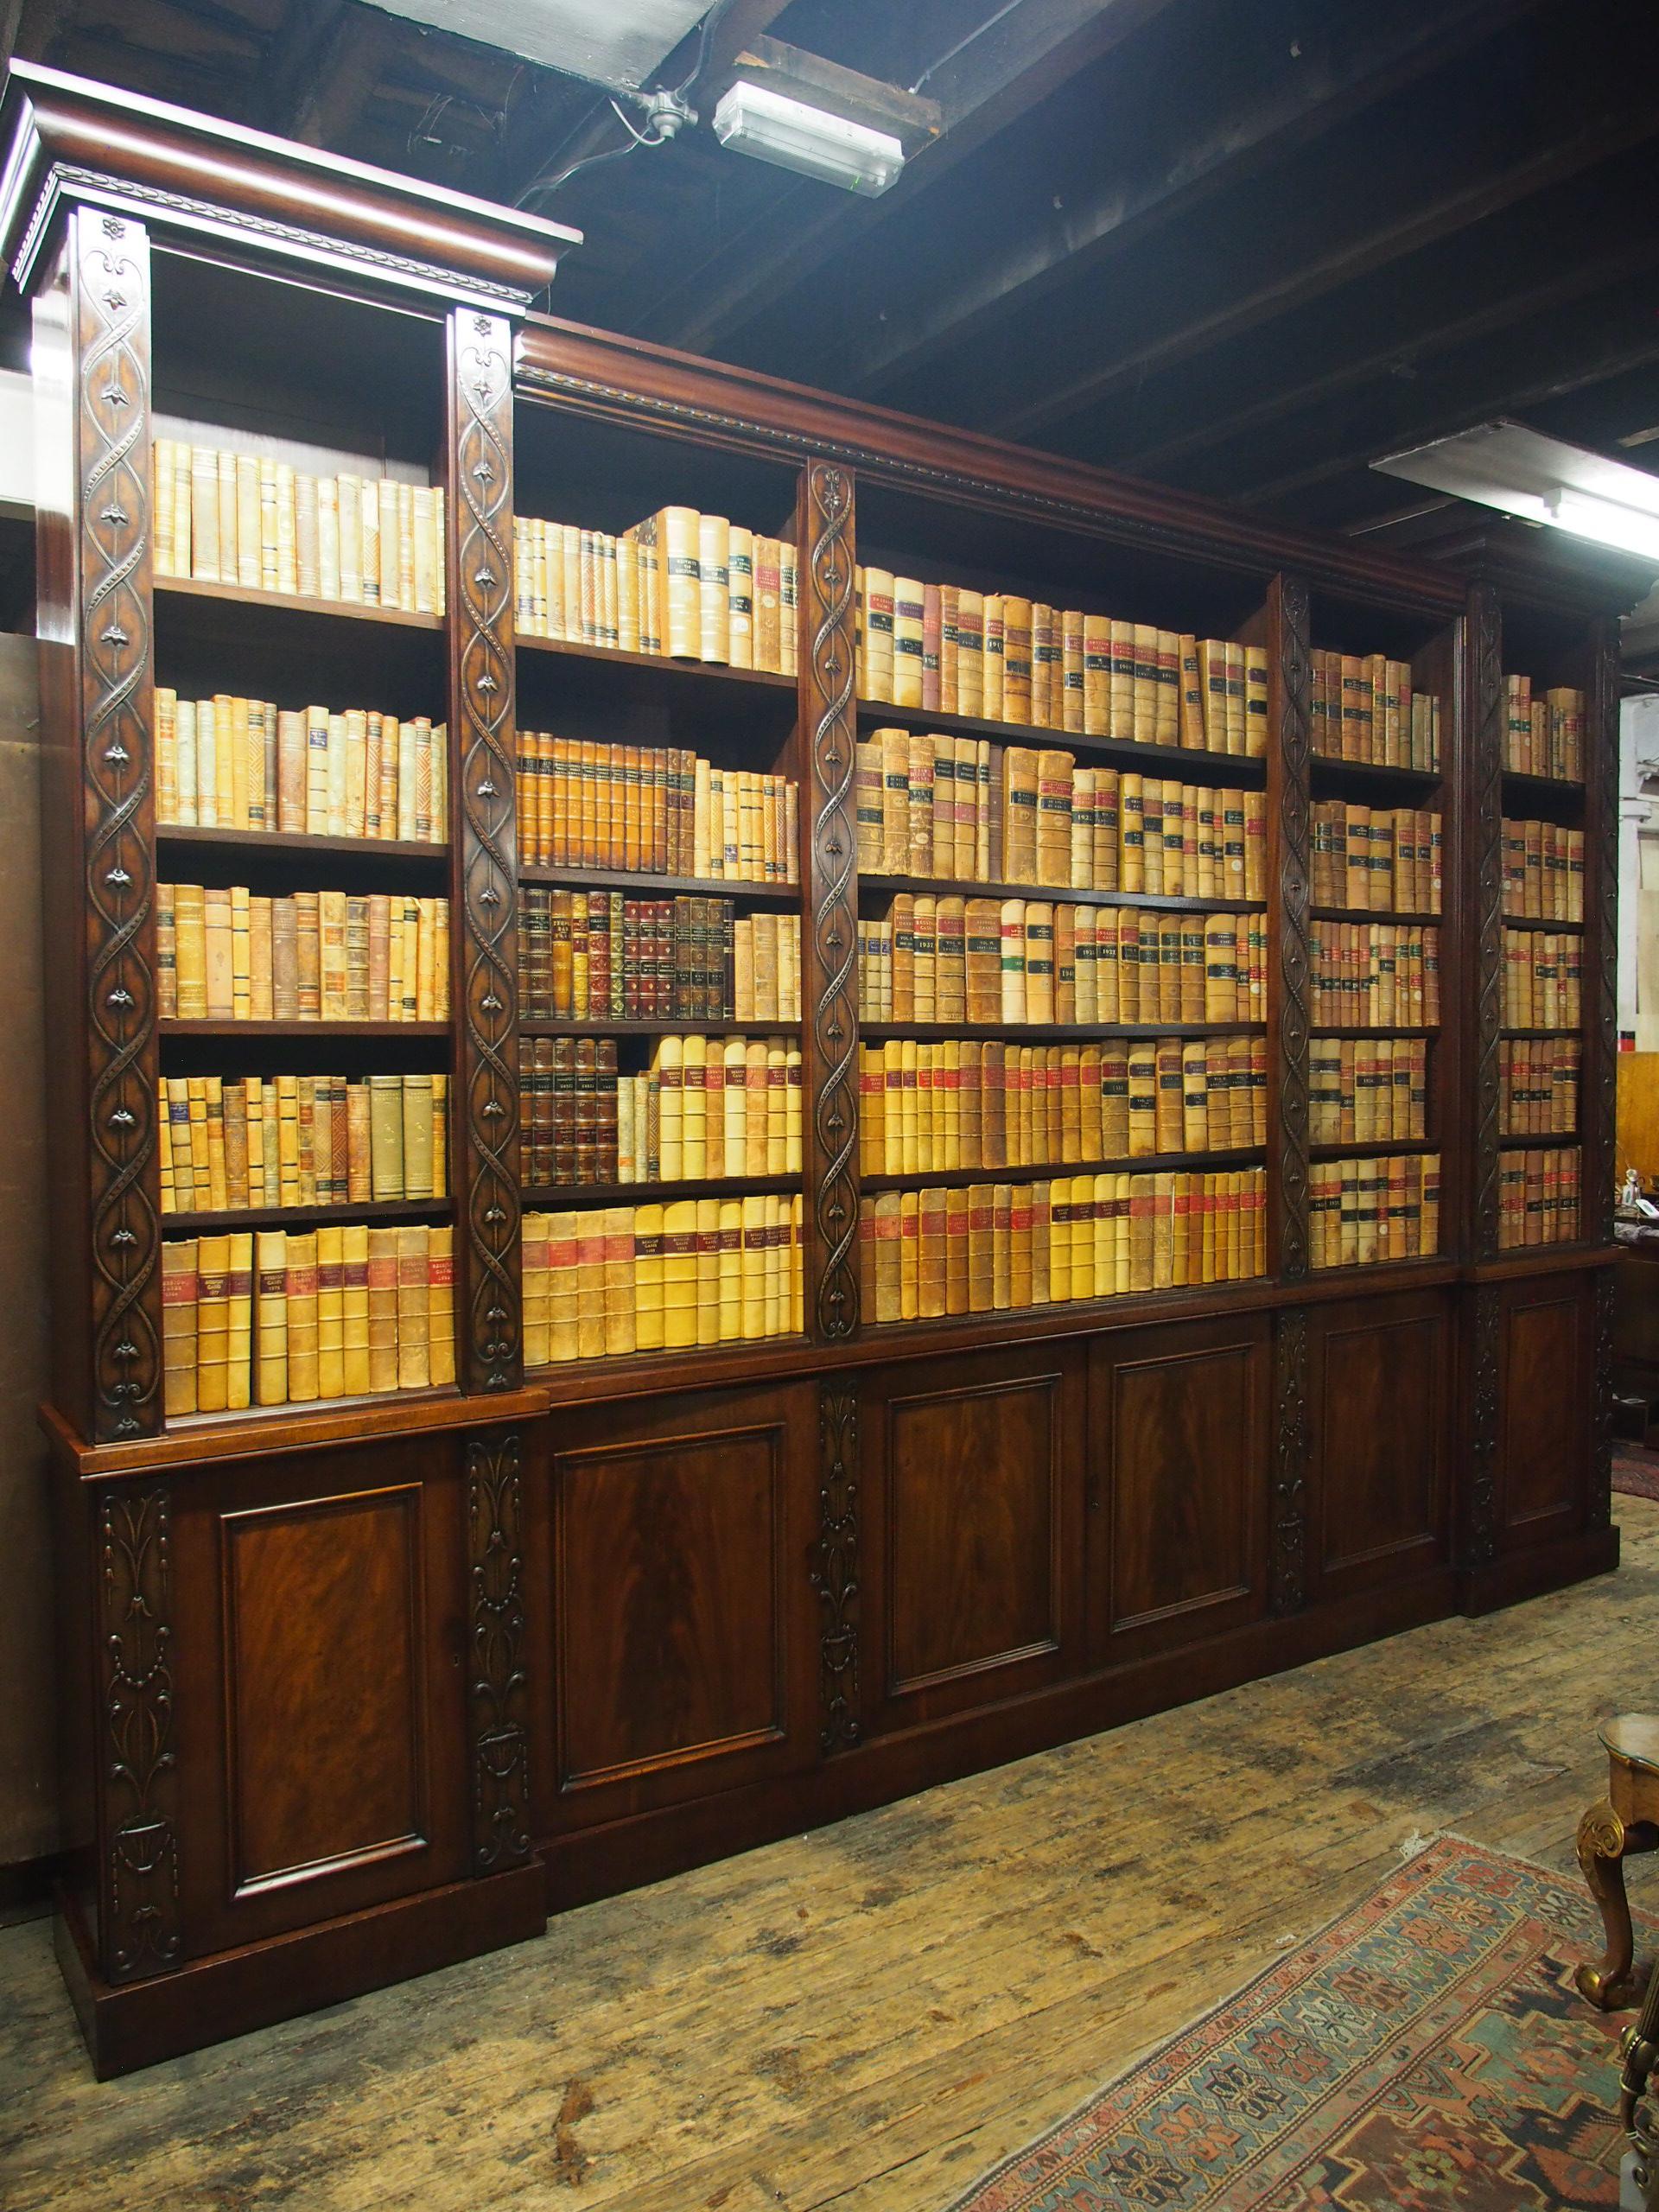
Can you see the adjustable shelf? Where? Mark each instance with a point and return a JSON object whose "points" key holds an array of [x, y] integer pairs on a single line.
{"points": [[412, 1211], [663, 665], [695, 1024], [1058, 895], [1218, 769], [1046, 1171], [1063, 1032], [563, 1197], [642, 884], [397, 618], [296, 845]]}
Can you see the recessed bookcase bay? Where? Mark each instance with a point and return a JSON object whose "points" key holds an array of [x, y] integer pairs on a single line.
{"points": [[766, 1219]]}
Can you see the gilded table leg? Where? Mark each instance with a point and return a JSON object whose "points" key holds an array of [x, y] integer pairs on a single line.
{"points": [[1601, 1855]]}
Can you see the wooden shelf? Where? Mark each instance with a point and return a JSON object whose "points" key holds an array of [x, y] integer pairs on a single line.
{"points": [[1388, 1148], [712, 1363], [1522, 786], [296, 845], [656, 887], [377, 1209], [1058, 895], [1371, 774], [1376, 1029], [1218, 770], [1567, 1141], [1399, 919], [169, 1026], [702, 1025], [245, 595], [668, 665], [1534, 922], [1223, 1163], [560, 1197], [1030, 1032], [1575, 1031]]}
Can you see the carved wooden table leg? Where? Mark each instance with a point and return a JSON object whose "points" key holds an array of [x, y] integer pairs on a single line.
{"points": [[1602, 1842]]}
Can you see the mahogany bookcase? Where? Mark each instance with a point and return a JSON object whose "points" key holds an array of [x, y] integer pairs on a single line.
{"points": [[354, 1689]]}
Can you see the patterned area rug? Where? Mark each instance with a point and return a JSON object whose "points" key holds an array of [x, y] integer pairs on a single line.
{"points": [[1636, 1470], [1428, 2050]]}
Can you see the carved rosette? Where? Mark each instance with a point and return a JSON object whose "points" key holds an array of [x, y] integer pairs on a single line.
{"points": [[110, 275], [826, 569], [835, 1576], [1286, 1564], [1295, 686], [139, 1932], [1598, 1512], [1486, 751], [481, 390], [497, 1719], [1480, 1509]]}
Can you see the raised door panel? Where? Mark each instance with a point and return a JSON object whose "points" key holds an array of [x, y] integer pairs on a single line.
{"points": [[1381, 1406], [1179, 1429], [973, 1478], [680, 1610], [320, 1699], [1543, 1459]]}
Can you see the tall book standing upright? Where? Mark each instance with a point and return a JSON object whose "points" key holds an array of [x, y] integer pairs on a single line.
{"points": [[879, 1549]]}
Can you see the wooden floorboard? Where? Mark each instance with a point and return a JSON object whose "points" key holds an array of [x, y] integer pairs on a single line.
{"points": [[865, 2017]]}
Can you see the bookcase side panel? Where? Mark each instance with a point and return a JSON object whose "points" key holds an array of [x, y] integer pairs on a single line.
{"points": [[1599, 1103], [1482, 801], [485, 950], [829, 952], [1288, 812]]}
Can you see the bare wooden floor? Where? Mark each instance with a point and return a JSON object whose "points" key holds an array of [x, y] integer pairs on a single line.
{"points": [[867, 2016]]}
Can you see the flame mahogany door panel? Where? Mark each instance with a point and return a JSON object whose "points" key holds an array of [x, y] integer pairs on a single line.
{"points": [[1546, 1425], [1178, 1483], [673, 1624]]}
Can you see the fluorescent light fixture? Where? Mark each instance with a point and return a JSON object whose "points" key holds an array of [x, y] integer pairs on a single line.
{"points": [[1520, 472], [754, 120]]}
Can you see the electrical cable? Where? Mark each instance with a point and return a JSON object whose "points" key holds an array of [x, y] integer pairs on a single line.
{"points": [[962, 44], [654, 137]]}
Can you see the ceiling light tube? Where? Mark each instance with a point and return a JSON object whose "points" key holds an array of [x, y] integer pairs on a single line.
{"points": [[1605, 520], [755, 119]]}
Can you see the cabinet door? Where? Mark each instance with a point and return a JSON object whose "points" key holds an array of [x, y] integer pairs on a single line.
{"points": [[680, 1615], [973, 1489], [1546, 1418], [1177, 1484], [1379, 1386], [321, 1706]]}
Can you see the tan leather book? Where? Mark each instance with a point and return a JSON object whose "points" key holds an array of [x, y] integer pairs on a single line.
{"points": [[304, 1385], [180, 1309]]}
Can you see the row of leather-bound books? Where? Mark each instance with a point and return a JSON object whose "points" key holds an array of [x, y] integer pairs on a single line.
{"points": [[598, 955], [1538, 1085], [1367, 1089], [687, 585], [961, 1103], [1362, 706], [655, 810], [706, 1108], [301, 1140], [1376, 858], [1362, 1211], [1543, 872], [1024, 960], [1542, 980], [229, 763], [948, 649], [229, 954], [279, 1317], [605, 1283], [1543, 737], [994, 1247], [1374, 974], [1538, 1198], [251, 520], [964, 810]]}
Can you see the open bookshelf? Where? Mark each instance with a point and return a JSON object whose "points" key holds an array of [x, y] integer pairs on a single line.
{"points": [[880, 1302]]}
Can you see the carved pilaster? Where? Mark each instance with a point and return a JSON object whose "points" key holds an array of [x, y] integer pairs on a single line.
{"points": [[835, 1577], [139, 1932], [497, 1633], [1598, 1511], [1601, 982], [485, 968], [1286, 1566], [1486, 864], [1289, 805], [109, 267], [830, 729], [1480, 1506]]}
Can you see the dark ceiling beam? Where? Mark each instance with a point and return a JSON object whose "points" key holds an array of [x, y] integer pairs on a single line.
{"points": [[1042, 246], [994, 80], [1468, 287], [37, 25], [1316, 236], [1509, 373], [529, 149]]}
